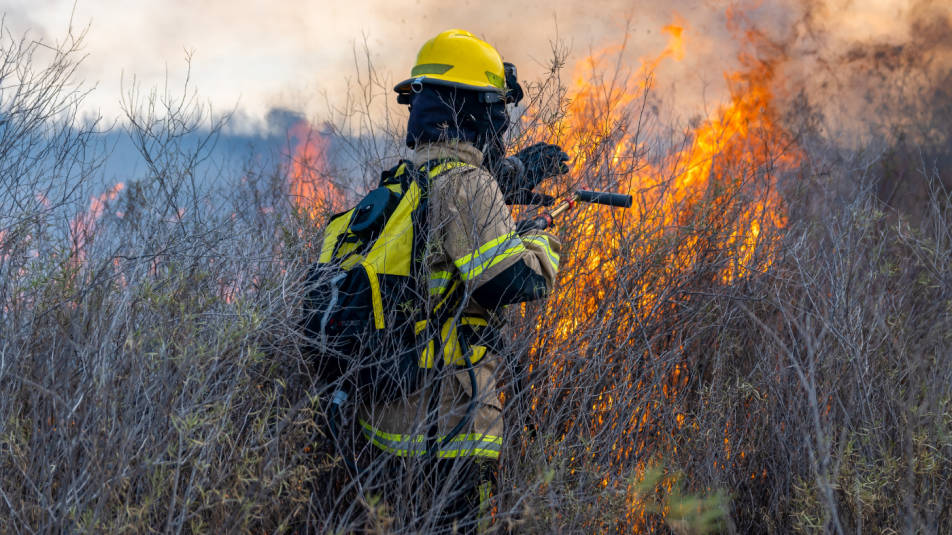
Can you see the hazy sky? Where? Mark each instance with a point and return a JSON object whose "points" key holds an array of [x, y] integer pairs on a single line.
{"points": [[285, 52]]}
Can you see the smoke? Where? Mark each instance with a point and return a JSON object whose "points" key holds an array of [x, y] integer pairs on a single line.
{"points": [[852, 59], [288, 55], [882, 63]]}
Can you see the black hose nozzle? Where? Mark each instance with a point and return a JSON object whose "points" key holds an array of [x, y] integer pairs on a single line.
{"points": [[602, 197]]}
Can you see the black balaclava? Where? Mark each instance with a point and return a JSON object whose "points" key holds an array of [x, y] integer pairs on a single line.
{"points": [[441, 113]]}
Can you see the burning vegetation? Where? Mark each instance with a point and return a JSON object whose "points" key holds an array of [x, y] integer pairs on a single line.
{"points": [[760, 344], [707, 217], [312, 188]]}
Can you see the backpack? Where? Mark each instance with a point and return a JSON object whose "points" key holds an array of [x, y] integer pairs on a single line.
{"points": [[365, 313]]}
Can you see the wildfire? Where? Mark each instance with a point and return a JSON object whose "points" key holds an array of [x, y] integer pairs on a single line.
{"points": [[739, 140], [311, 188], [675, 48], [722, 177]]}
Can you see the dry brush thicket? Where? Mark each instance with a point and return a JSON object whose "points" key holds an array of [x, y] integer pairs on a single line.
{"points": [[689, 381]]}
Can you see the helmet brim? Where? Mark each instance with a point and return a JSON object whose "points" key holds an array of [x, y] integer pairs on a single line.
{"points": [[404, 86]]}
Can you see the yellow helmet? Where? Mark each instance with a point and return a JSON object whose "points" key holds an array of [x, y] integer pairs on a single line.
{"points": [[457, 58]]}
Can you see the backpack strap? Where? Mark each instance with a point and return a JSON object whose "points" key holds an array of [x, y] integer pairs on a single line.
{"points": [[405, 172], [441, 166], [395, 175]]}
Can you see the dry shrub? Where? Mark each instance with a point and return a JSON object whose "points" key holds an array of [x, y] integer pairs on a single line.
{"points": [[143, 339]]}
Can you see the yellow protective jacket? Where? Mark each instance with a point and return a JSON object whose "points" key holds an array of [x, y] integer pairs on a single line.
{"points": [[472, 236]]}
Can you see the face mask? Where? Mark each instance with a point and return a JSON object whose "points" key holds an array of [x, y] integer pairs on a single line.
{"points": [[439, 113]]}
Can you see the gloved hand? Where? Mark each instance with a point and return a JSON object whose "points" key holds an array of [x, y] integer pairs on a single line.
{"points": [[521, 173]]}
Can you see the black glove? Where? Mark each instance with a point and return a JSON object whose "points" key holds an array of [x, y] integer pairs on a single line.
{"points": [[521, 173]]}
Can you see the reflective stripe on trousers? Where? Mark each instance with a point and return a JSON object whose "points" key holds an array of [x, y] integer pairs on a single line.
{"points": [[472, 445]]}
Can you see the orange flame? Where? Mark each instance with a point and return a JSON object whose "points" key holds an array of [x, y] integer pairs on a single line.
{"points": [[311, 187], [737, 150], [675, 48], [737, 139]]}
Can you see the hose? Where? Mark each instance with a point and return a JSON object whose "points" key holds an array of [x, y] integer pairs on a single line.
{"points": [[464, 346], [469, 409], [338, 399]]}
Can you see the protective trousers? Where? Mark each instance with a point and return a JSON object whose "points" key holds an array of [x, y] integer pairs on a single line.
{"points": [[445, 496]]}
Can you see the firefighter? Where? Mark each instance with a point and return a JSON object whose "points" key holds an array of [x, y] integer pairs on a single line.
{"points": [[458, 96]]}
